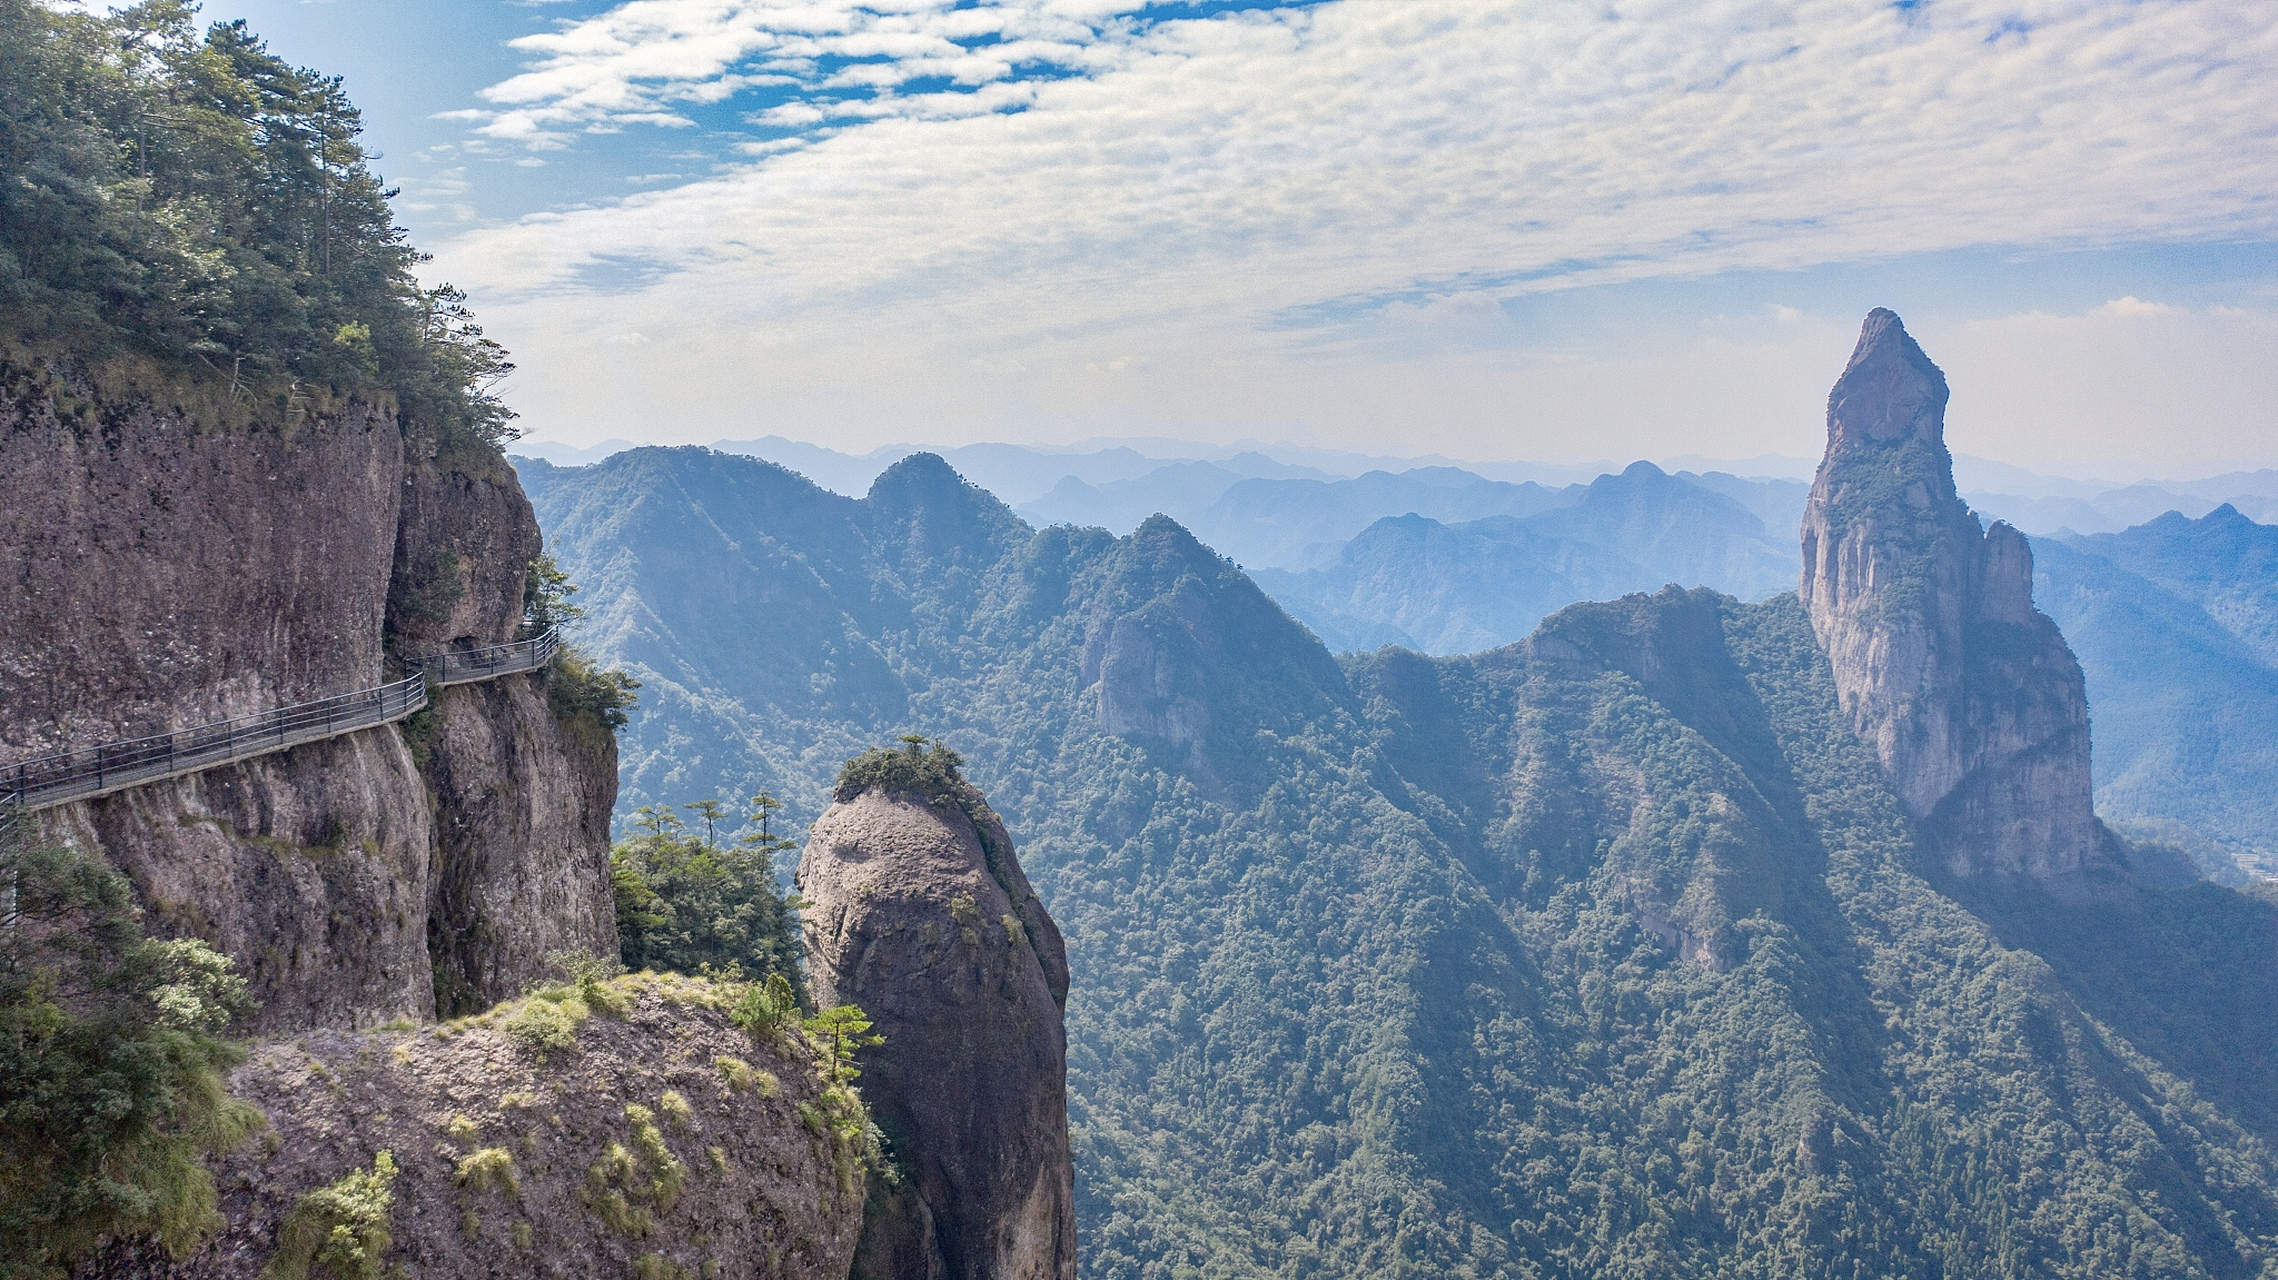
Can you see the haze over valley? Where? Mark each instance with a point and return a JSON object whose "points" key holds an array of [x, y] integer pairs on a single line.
{"points": [[1125, 640]]}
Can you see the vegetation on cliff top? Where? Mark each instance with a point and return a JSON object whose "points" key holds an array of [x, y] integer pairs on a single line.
{"points": [[921, 766], [192, 199], [601, 1119], [688, 903], [112, 1053]]}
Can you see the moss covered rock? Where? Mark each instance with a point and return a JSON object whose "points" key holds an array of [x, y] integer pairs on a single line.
{"points": [[630, 1129]]}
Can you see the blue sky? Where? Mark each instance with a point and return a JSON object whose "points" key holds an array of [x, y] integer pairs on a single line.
{"points": [[1533, 230]]}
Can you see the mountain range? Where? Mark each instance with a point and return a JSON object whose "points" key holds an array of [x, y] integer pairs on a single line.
{"points": [[2176, 624], [2173, 621], [1618, 951], [1469, 584], [1037, 481]]}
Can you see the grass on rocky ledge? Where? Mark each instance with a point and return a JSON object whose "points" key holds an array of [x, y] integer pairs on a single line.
{"points": [[546, 1020]]}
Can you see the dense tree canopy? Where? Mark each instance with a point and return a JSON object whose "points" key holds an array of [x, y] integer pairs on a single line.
{"points": [[112, 1051], [196, 200], [689, 903]]}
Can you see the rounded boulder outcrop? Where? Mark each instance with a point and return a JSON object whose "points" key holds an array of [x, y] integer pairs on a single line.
{"points": [[918, 912]]}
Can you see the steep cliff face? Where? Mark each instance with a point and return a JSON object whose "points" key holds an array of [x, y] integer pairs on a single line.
{"points": [[161, 575], [656, 1141], [520, 854], [520, 861], [1188, 656], [158, 571], [1966, 692], [922, 916]]}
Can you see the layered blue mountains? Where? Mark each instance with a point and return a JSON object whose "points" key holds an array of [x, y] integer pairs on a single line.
{"points": [[1481, 874]]}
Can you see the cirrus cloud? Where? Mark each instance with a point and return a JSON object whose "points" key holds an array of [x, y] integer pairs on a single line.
{"points": [[1240, 203], [640, 62]]}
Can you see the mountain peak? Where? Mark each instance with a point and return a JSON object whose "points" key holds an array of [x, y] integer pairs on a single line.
{"points": [[1890, 391], [918, 470], [1967, 693]]}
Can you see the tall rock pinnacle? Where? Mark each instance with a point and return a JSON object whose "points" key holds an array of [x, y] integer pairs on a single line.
{"points": [[1967, 693], [917, 910]]}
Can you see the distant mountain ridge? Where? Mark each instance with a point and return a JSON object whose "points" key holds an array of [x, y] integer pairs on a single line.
{"points": [[1466, 585], [2176, 624], [2182, 751], [1116, 484], [1611, 952]]}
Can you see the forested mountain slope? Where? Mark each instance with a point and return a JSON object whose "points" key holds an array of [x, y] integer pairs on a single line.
{"points": [[2176, 624], [2222, 562], [1607, 954]]}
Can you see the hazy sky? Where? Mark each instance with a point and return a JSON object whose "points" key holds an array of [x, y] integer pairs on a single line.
{"points": [[1492, 230]]}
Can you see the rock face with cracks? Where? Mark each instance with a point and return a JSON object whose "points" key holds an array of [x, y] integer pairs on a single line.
{"points": [[1967, 693], [919, 913], [159, 570]]}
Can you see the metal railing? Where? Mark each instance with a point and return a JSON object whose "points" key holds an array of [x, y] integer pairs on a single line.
{"points": [[11, 821], [98, 771], [463, 665]]}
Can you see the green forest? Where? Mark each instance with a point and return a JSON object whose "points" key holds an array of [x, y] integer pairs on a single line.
{"points": [[186, 210], [2176, 622], [1606, 954], [687, 902]]}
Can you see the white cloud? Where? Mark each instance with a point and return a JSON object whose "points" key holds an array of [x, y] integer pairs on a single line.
{"points": [[632, 63], [1272, 213], [2133, 306]]}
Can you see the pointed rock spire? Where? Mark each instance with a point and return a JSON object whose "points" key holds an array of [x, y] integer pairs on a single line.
{"points": [[1889, 391], [1966, 692]]}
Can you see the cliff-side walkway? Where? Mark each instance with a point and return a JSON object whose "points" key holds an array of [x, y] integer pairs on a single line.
{"points": [[89, 772]]}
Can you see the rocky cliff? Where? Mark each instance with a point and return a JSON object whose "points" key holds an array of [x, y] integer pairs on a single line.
{"points": [[160, 569], [1966, 692], [919, 913], [547, 1137]]}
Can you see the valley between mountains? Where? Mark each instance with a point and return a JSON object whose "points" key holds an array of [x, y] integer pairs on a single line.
{"points": [[1191, 869], [1652, 944]]}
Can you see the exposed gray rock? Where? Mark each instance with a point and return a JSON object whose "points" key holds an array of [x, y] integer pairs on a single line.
{"points": [[309, 868], [156, 575], [1967, 693], [159, 571], [1150, 682], [521, 841], [921, 915], [568, 1184]]}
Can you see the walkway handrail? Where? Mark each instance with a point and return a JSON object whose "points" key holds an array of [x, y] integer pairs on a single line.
{"points": [[98, 771], [458, 666], [115, 766]]}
